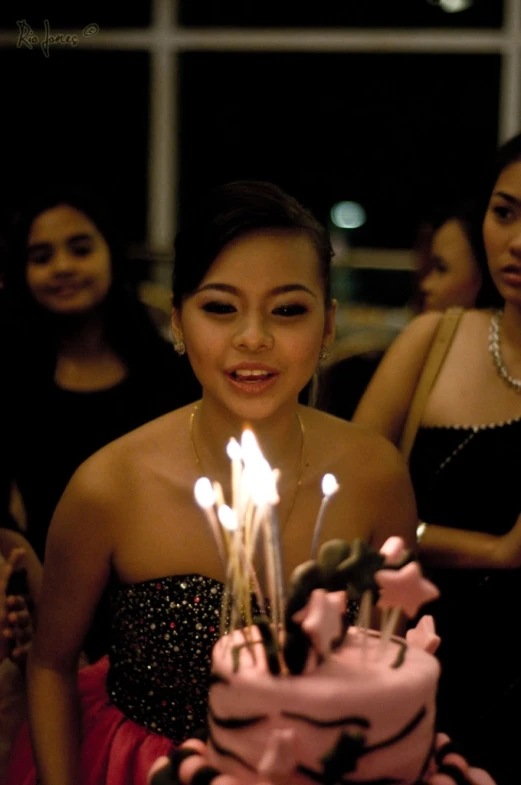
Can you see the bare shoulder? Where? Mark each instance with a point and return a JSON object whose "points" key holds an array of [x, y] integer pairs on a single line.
{"points": [[104, 487], [113, 466], [376, 494], [344, 443], [417, 336], [475, 321], [386, 401]]}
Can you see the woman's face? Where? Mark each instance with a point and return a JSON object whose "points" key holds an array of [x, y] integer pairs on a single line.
{"points": [[69, 269], [255, 326], [502, 233], [454, 277]]}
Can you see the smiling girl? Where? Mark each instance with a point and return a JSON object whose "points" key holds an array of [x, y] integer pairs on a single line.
{"points": [[80, 341], [253, 311]]}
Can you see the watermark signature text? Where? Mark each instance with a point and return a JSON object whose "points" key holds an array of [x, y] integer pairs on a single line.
{"points": [[28, 38]]}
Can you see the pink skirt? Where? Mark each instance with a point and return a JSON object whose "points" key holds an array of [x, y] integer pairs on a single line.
{"points": [[114, 750]]}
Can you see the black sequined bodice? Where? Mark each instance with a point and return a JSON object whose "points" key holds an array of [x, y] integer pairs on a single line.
{"points": [[163, 632]]}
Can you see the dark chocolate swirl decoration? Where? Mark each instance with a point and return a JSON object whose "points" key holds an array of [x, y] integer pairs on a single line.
{"points": [[339, 567], [356, 572]]}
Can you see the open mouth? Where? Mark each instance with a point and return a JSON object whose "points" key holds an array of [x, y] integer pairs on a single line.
{"points": [[249, 375]]}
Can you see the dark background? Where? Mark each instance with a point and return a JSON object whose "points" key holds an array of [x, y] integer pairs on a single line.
{"points": [[398, 132]]}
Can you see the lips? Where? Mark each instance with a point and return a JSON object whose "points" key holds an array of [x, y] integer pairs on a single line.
{"points": [[252, 377], [511, 274], [65, 290]]}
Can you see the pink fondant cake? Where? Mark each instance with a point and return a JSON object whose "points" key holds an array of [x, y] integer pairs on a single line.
{"points": [[332, 703], [367, 709], [302, 695]]}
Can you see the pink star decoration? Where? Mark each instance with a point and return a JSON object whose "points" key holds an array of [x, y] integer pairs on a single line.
{"points": [[423, 636], [393, 550], [321, 618], [278, 759], [405, 588]]}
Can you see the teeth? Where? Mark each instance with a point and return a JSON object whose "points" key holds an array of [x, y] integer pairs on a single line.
{"points": [[251, 373]]}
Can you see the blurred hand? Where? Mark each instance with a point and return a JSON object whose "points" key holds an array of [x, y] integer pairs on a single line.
{"points": [[16, 629]]}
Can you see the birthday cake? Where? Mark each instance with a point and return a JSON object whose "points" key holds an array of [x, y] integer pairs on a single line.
{"points": [[300, 694]]}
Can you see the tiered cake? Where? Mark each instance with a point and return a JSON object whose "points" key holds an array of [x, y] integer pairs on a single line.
{"points": [[300, 694]]}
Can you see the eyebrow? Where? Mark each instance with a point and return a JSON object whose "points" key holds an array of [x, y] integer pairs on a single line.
{"points": [[288, 287], [73, 238], [508, 197]]}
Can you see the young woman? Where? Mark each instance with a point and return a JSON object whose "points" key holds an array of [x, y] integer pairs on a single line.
{"points": [[253, 311], [83, 361], [448, 275], [453, 275], [464, 467]]}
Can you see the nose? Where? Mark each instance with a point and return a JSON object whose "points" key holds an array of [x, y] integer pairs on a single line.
{"points": [[515, 240], [252, 334], [425, 284], [62, 262]]}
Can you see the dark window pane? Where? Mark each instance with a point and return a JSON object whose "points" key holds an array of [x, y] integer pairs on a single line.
{"points": [[386, 288], [74, 16], [77, 116], [340, 13], [395, 133]]}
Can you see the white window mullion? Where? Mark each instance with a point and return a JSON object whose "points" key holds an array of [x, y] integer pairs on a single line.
{"points": [[163, 135], [510, 86]]}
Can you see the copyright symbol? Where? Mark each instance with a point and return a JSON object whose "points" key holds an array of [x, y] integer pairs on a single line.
{"points": [[90, 30]]}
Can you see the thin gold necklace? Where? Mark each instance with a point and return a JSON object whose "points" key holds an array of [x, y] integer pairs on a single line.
{"points": [[300, 469]]}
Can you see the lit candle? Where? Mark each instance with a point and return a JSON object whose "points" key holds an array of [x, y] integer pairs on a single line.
{"points": [[329, 488], [233, 591], [262, 488], [205, 498], [233, 450]]}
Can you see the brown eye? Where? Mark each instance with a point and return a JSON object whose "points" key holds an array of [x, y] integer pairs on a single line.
{"points": [[218, 308], [81, 250], [294, 309], [502, 211], [39, 257]]}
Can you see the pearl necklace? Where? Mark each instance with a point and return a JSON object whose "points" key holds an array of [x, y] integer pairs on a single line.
{"points": [[495, 351]]}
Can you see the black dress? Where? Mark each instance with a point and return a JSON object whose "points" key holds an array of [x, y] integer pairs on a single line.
{"points": [[50, 438], [468, 478]]}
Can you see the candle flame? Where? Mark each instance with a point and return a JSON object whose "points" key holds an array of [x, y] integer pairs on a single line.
{"points": [[329, 484], [233, 450], [204, 493], [260, 479], [227, 517]]}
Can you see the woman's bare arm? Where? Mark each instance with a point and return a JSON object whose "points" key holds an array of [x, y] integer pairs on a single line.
{"points": [[388, 396], [77, 568], [442, 546]]}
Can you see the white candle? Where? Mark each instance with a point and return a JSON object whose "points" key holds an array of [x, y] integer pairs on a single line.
{"points": [[205, 498], [234, 452], [329, 488]]}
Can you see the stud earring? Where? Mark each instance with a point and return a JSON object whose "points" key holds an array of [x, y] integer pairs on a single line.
{"points": [[179, 346], [324, 354]]}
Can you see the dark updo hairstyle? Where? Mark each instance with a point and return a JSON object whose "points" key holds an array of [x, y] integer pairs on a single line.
{"points": [[232, 211], [129, 329], [462, 213], [507, 154]]}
